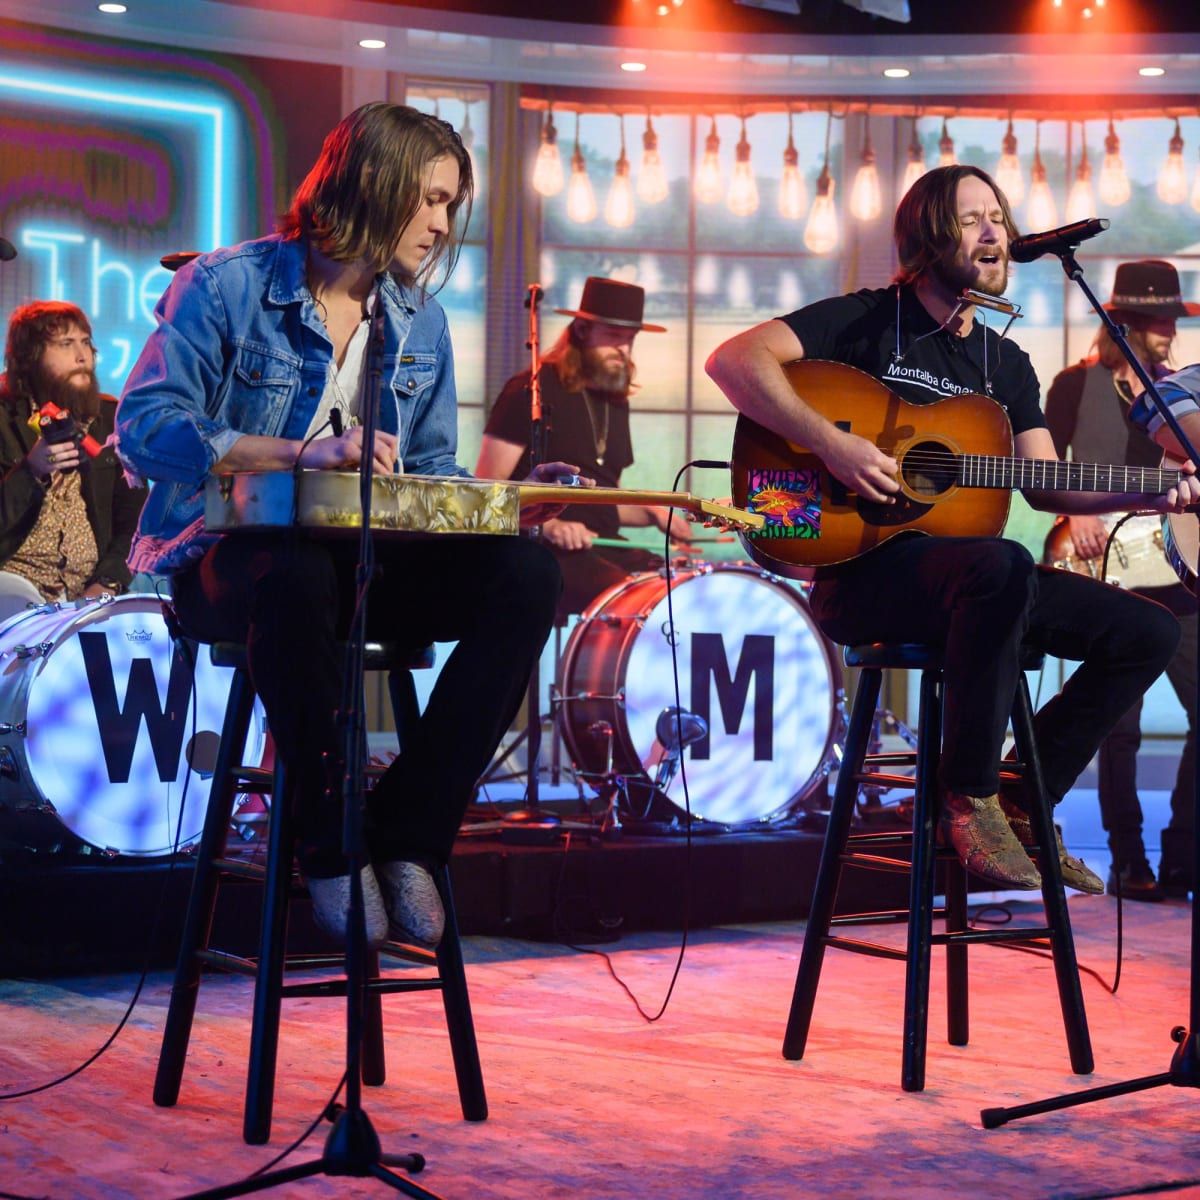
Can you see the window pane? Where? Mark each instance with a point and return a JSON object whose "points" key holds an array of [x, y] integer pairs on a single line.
{"points": [[734, 293], [464, 298]]}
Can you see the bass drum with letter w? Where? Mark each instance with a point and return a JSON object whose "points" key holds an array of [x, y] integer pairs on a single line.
{"points": [[98, 737]]}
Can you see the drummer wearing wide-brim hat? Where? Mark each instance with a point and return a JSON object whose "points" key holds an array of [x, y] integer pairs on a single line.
{"points": [[1087, 410], [586, 379]]}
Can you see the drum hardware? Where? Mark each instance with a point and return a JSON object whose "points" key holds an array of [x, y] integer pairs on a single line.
{"points": [[40, 650], [8, 764], [18, 727]]}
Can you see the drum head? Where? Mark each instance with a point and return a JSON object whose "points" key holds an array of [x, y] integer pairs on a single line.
{"points": [[112, 733], [754, 666]]}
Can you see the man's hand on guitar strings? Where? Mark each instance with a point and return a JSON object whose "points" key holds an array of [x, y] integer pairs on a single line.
{"points": [[863, 467], [1185, 495], [341, 453]]}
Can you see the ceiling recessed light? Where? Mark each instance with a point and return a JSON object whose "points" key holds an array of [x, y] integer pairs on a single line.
{"points": [[1152, 72], [112, 9], [633, 66], [896, 72], [372, 43]]}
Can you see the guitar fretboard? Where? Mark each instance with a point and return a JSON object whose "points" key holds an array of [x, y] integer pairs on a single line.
{"points": [[1051, 475]]}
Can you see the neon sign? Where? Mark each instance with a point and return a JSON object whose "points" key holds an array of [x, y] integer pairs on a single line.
{"points": [[185, 144]]}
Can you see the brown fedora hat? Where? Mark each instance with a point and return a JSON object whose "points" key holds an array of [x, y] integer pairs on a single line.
{"points": [[612, 302], [1149, 288]]}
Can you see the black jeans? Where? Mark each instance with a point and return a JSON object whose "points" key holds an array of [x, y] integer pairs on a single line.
{"points": [[1120, 808], [981, 599], [289, 598]]}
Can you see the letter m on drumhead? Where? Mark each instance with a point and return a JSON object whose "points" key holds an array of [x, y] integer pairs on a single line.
{"points": [[119, 727], [711, 668]]}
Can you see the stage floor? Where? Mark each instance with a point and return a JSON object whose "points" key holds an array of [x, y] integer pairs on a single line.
{"points": [[587, 1099]]}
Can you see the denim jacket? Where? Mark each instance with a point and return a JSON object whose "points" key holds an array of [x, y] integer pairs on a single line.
{"points": [[239, 349]]}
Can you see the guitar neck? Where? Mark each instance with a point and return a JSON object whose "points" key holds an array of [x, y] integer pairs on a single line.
{"points": [[1052, 475], [548, 493], [545, 493]]}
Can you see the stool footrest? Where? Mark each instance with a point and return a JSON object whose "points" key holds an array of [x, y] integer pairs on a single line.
{"points": [[884, 917], [337, 987], [855, 946], [876, 862], [884, 778], [972, 936], [234, 963]]}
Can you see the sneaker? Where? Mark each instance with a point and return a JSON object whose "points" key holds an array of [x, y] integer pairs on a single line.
{"points": [[1134, 881], [331, 907], [1175, 869], [985, 843], [414, 907], [1075, 872]]}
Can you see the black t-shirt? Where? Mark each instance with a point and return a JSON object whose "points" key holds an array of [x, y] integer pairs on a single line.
{"points": [[860, 330], [576, 426]]}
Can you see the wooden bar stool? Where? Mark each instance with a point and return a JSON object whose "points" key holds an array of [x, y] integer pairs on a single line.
{"points": [[231, 777], [845, 849]]}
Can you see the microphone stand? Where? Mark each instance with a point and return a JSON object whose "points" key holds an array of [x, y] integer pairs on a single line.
{"points": [[352, 1147], [1184, 1070], [531, 816]]}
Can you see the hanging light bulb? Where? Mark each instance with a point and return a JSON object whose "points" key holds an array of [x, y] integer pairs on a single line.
{"points": [[547, 167], [821, 232], [652, 178], [866, 203], [1172, 175], [1008, 170], [946, 155], [743, 189], [618, 207], [708, 178], [581, 200], [1042, 212], [1081, 201], [793, 195], [1114, 181], [915, 167]]}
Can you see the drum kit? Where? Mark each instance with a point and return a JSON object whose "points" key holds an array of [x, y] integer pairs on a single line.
{"points": [[759, 684], [108, 732]]}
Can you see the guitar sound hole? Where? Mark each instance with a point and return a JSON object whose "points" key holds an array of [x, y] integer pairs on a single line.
{"points": [[929, 469]]}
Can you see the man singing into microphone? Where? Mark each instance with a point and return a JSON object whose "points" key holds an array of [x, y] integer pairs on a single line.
{"points": [[66, 517], [980, 598]]}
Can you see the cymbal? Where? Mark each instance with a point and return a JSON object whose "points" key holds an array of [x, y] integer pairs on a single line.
{"points": [[174, 261]]}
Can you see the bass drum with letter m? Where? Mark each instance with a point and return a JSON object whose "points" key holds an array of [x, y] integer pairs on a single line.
{"points": [[751, 662]]}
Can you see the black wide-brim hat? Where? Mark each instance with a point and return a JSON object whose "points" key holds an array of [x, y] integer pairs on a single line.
{"points": [[614, 303], [1150, 288]]}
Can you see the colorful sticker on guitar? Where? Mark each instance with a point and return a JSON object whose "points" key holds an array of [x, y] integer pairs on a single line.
{"points": [[790, 501]]}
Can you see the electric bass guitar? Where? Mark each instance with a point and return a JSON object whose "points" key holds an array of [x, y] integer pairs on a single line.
{"points": [[956, 472], [1137, 557]]}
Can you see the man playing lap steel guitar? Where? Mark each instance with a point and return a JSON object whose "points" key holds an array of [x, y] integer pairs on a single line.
{"points": [[980, 597], [258, 363]]}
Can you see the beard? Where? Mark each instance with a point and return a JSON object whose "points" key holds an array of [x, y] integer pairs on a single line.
{"points": [[604, 372], [991, 279], [78, 393]]}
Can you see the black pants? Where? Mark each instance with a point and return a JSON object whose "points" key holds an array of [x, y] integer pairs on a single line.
{"points": [[981, 598], [290, 599], [1120, 808]]}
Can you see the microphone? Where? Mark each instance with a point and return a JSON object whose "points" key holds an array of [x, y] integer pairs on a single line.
{"points": [[335, 422], [7, 250], [1062, 240], [675, 729]]}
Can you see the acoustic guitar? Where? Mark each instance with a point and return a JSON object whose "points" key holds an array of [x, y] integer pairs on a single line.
{"points": [[956, 472]]}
